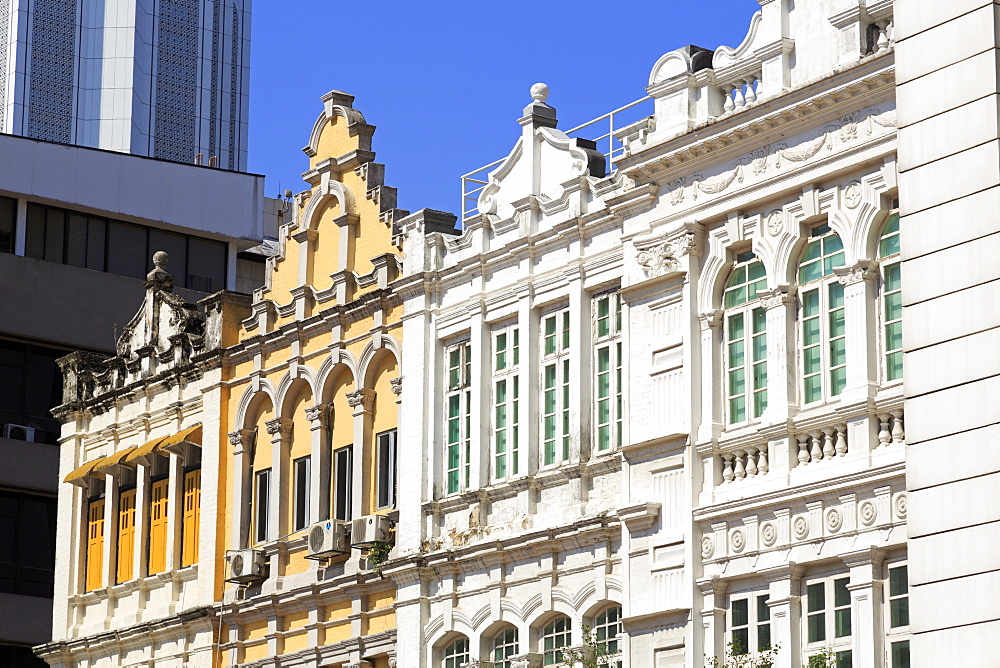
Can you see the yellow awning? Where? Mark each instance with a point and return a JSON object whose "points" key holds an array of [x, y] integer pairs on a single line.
{"points": [[117, 458], [83, 471], [146, 448], [191, 435]]}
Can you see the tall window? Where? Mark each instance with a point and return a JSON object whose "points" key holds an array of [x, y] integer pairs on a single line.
{"points": [[386, 445], [456, 654], [301, 474], [28, 544], [608, 370], [95, 544], [506, 401], [892, 298], [898, 616], [8, 218], [823, 334], [555, 387], [158, 508], [750, 624], [262, 504], [504, 647], [459, 411], [191, 522], [607, 628], [126, 534], [555, 636], [746, 340], [828, 619], [30, 386], [342, 477]]}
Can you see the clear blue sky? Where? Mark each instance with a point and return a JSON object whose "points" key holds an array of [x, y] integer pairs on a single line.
{"points": [[445, 81]]}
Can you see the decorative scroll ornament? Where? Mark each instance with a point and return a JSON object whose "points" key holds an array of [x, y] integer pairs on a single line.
{"points": [[775, 222], [852, 194], [280, 426], [396, 385], [318, 413], [361, 397], [659, 261]]}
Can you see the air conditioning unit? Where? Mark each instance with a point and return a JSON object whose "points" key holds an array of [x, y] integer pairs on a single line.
{"points": [[371, 529], [18, 432], [328, 538], [246, 566]]}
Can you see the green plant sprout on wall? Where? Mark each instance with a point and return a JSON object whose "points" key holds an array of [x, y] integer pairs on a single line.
{"points": [[595, 653], [736, 656]]}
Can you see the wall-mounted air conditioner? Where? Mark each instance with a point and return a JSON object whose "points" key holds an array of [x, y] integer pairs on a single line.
{"points": [[246, 566], [328, 538], [18, 432], [371, 529]]}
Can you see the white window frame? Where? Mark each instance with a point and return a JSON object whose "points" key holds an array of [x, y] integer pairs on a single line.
{"points": [[262, 508], [606, 312], [832, 611], [506, 394], [385, 452], [825, 286], [302, 483], [889, 261], [557, 360], [343, 471], [457, 428], [900, 633], [758, 620], [564, 635], [506, 646], [746, 312], [455, 655], [608, 631]]}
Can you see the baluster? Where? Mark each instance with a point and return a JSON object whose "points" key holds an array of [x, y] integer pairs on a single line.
{"points": [[897, 427], [803, 449], [883, 38], [741, 471], [751, 95], [751, 464], [762, 466], [759, 89], [738, 98], [728, 94], [727, 467], [828, 449], [816, 453], [883, 431], [840, 445]]}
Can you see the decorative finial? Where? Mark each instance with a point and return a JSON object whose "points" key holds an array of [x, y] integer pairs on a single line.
{"points": [[540, 93], [160, 274]]}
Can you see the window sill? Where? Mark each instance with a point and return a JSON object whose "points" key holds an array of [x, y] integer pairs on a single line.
{"points": [[148, 583]]}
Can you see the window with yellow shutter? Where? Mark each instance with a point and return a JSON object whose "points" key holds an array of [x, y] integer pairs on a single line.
{"points": [[158, 526], [126, 535], [192, 517], [95, 544]]}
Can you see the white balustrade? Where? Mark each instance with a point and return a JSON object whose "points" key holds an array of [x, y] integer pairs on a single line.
{"points": [[744, 463], [822, 444], [891, 428], [742, 93]]}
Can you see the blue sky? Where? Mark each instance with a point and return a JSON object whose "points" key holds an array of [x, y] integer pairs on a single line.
{"points": [[445, 81]]}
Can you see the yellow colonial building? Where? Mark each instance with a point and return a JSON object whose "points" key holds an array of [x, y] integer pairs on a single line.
{"points": [[230, 475]]}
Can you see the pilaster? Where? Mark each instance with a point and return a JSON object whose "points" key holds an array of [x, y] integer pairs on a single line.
{"points": [[241, 441], [866, 602], [362, 402], [319, 482], [280, 430], [859, 310], [781, 397], [786, 613]]}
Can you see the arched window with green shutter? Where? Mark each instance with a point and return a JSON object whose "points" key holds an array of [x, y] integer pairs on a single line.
{"points": [[745, 332], [822, 319]]}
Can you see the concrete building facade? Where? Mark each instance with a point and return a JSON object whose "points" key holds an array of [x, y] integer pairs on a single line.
{"points": [[167, 79]]}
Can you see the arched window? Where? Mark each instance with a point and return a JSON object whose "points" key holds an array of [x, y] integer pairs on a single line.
{"points": [[504, 647], [456, 654], [892, 298], [822, 339], [607, 627], [555, 636], [746, 340]]}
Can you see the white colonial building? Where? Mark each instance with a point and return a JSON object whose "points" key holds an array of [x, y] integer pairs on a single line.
{"points": [[664, 401]]}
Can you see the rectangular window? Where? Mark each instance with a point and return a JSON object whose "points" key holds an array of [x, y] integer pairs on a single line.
{"points": [[823, 342], [342, 477], [302, 473], [816, 618], [191, 522], [607, 311], [506, 402], [126, 535], [27, 544], [898, 609], [158, 508], [95, 545], [555, 387], [8, 223], [750, 624], [828, 621], [893, 314], [262, 501], [459, 417], [30, 386], [386, 442], [81, 240]]}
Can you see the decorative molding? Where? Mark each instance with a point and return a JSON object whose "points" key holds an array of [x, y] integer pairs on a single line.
{"points": [[396, 385], [640, 516], [282, 427], [319, 413], [363, 397]]}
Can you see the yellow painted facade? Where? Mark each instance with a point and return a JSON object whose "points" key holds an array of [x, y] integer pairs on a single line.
{"points": [[315, 372]]}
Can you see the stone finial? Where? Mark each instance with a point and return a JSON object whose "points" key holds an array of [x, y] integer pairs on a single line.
{"points": [[540, 93], [160, 274]]}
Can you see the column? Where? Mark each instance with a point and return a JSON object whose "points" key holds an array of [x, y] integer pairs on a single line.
{"points": [[320, 474], [866, 603], [786, 613], [280, 430], [242, 492], [141, 552], [782, 385], [479, 459], [581, 359], [527, 429], [862, 329], [175, 511], [110, 553], [361, 401], [713, 620], [711, 369]]}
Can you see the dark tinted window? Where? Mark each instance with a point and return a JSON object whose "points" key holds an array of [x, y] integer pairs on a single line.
{"points": [[8, 216], [206, 265], [30, 387], [15, 656], [27, 544], [127, 250]]}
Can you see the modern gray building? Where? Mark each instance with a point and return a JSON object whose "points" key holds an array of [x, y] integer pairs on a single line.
{"points": [[166, 79]]}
